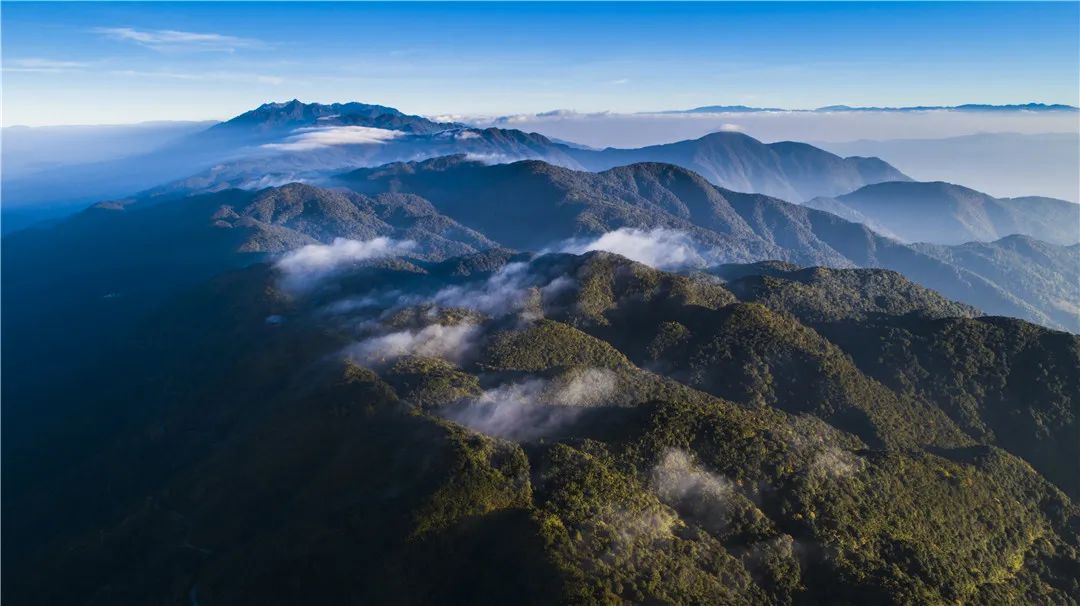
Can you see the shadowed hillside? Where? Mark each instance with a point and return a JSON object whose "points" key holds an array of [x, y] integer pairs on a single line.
{"points": [[583, 425]]}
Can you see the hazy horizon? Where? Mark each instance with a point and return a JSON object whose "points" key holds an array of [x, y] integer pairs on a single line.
{"points": [[115, 63]]}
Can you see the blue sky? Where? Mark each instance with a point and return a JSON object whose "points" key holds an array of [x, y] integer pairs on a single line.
{"points": [[87, 63]]}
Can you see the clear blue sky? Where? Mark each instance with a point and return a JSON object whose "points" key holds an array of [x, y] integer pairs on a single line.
{"points": [[108, 63]]}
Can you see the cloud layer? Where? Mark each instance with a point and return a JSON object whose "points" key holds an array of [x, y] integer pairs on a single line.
{"points": [[603, 129], [706, 498], [660, 248], [172, 40], [43, 66], [306, 266], [306, 139], [453, 343], [536, 408], [504, 292]]}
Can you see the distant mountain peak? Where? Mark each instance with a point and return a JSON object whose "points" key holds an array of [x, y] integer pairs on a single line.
{"points": [[279, 105], [727, 135], [288, 115], [946, 213]]}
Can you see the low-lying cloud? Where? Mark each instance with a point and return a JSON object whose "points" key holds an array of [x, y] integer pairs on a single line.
{"points": [[826, 460], [504, 292], [306, 139], [660, 248], [832, 462], [453, 343], [604, 129], [706, 498], [308, 265], [536, 408]]}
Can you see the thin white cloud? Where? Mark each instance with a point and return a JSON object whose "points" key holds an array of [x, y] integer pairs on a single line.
{"points": [[306, 266], [45, 66], [536, 408], [637, 130], [216, 76], [305, 139], [660, 248], [707, 498], [506, 291], [174, 40], [453, 343]]}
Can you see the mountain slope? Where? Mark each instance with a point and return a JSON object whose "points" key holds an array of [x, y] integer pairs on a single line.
{"points": [[788, 170], [240, 137], [1049, 274], [109, 266], [540, 204], [448, 207], [278, 143], [75, 289], [943, 213], [486, 450]]}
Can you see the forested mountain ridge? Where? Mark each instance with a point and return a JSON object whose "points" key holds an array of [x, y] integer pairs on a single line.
{"points": [[347, 443], [737, 227], [452, 206], [431, 384]]}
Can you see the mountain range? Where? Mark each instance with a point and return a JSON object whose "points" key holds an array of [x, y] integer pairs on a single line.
{"points": [[558, 203], [1001, 164], [283, 142], [446, 207], [478, 366], [944, 213], [72, 186], [800, 435], [788, 170], [278, 143]]}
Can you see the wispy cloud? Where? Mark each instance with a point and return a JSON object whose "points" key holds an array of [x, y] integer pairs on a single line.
{"points": [[304, 267], [215, 76], [661, 248], [453, 343], [44, 66], [536, 408], [174, 40], [306, 139], [637, 130]]}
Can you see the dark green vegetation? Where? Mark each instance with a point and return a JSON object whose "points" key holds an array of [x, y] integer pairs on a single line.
{"points": [[943, 213], [421, 414], [111, 264], [114, 263], [591, 431]]}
